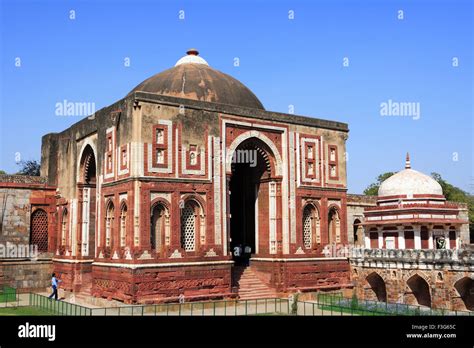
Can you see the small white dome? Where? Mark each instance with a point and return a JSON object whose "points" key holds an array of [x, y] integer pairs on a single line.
{"points": [[191, 57], [409, 182]]}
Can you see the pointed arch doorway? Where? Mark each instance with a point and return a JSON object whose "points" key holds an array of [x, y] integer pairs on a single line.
{"points": [[87, 204], [251, 182]]}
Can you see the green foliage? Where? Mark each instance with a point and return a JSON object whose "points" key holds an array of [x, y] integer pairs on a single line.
{"points": [[354, 301], [31, 167], [2, 172], [294, 305], [373, 189], [455, 194]]}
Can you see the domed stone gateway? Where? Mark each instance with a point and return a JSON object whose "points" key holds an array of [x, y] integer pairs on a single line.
{"points": [[193, 78], [192, 176], [190, 181]]}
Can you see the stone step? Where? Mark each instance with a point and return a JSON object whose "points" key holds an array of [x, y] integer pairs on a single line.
{"points": [[250, 286], [257, 293]]}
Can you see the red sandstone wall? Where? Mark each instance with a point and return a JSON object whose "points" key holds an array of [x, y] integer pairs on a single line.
{"points": [[162, 284], [304, 275]]}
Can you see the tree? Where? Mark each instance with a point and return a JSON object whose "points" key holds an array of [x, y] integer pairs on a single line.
{"points": [[2, 172], [452, 193], [31, 167], [373, 189], [455, 194]]}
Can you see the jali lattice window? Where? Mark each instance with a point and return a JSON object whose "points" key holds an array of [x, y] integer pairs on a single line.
{"points": [[39, 230], [307, 228], [188, 227]]}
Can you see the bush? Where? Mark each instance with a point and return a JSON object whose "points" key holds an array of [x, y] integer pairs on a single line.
{"points": [[294, 305], [354, 301]]}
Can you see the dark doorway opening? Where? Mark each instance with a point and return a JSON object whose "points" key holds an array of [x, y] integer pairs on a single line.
{"points": [[377, 285], [465, 288], [357, 232], [249, 166], [420, 289]]}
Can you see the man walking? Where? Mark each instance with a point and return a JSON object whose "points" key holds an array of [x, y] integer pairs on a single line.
{"points": [[54, 284]]}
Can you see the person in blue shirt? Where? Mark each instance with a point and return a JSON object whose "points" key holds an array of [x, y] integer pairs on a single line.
{"points": [[54, 283]]}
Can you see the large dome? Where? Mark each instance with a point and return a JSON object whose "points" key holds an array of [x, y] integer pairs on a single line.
{"points": [[409, 182], [193, 78]]}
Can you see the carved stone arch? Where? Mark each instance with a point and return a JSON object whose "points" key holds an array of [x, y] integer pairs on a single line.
{"points": [[314, 203], [123, 202], [334, 224], [109, 202], [64, 227], [193, 223], [160, 200], [198, 199], [87, 157], [311, 224], [420, 288], [264, 153], [377, 284], [358, 231], [261, 137], [109, 221], [426, 277], [464, 289], [160, 224], [335, 207], [39, 228], [380, 273], [86, 178], [123, 222]]}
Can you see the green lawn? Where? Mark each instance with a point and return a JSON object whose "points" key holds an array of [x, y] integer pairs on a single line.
{"points": [[336, 310], [26, 310]]}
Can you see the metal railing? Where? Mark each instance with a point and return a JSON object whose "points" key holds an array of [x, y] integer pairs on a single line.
{"points": [[57, 307], [267, 306], [212, 308], [325, 304], [335, 304]]}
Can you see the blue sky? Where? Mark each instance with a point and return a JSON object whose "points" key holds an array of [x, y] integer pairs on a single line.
{"points": [[283, 61]]}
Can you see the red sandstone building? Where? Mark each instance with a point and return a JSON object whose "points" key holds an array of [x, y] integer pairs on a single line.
{"points": [[156, 191], [188, 186]]}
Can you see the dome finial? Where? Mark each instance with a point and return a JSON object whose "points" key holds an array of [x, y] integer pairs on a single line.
{"points": [[192, 52], [407, 162], [192, 56]]}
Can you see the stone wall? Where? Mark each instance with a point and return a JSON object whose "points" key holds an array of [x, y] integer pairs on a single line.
{"points": [[20, 195], [463, 214], [304, 275], [26, 275], [156, 284], [15, 211], [355, 210], [448, 275]]}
